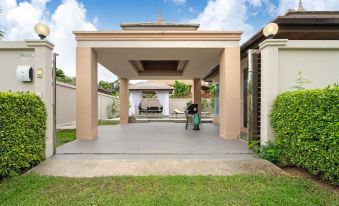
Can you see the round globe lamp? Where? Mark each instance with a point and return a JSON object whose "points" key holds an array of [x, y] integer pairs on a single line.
{"points": [[270, 30], [42, 30]]}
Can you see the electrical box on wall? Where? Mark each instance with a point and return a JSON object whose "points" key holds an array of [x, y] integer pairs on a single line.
{"points": [[24, 73]]}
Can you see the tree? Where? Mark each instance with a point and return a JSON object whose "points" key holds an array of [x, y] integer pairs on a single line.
{"points": [[60, 74], [106, 85], [110, 86], [116, 87], [61, 77], [181, 89]]}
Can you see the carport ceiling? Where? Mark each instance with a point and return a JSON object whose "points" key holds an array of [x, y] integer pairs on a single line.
{"points": [[159, 63], [156, 67]]}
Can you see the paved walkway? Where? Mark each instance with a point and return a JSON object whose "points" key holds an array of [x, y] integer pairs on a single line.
{"points": [[154, 149], [144, 167]]}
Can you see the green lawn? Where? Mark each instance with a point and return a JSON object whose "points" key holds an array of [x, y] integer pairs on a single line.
{"points": [[68, 135], [64, 136], [108, 122], [201, 190]]}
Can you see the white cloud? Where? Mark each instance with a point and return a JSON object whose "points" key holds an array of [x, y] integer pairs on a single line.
{"points": [[69, 16], [18, 20], [224, 15], [315, 5], [230, 15]]}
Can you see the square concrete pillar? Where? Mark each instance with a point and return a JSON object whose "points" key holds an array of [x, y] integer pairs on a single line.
{"points": [[229, 93], [269, 50], [124, 100], [197, 93], [86, 94], [44, 87]]}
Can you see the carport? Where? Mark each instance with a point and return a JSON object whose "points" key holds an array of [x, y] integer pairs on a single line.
{"points": [[156, 54]]}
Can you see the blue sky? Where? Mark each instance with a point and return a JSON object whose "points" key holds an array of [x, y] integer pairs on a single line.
{"points": [[18, 18], [111, 13]]}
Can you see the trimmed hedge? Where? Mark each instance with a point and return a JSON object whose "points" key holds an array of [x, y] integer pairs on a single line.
{"points": [[306, 125], [22, 132]]}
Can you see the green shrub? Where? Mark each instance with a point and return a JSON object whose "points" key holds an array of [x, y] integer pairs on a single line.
{"points": [[22, 132], [306, 125], [271, 152], [254, 145]]}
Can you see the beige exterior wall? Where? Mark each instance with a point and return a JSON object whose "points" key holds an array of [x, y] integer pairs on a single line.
{"points": [[38, 55], [66, 101], [320, 66], [281, 61], [10, 59]]}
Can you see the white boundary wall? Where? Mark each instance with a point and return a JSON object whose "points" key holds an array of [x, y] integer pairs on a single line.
{"points": [[175, 103], [66, 105], [282, 59]]}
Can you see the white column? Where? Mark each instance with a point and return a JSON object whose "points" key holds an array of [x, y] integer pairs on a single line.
{"points": [[269, 84]]}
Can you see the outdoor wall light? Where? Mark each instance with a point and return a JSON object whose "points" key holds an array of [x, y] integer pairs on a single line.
{"points": [[271, 30], [42, 30]]}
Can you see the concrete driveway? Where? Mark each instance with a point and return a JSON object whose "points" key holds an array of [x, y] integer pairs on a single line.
{"points": [[154, 149], [156, 138]]}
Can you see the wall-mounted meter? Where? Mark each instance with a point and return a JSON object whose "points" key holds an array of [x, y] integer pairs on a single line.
{"points": [[24, 73]]}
